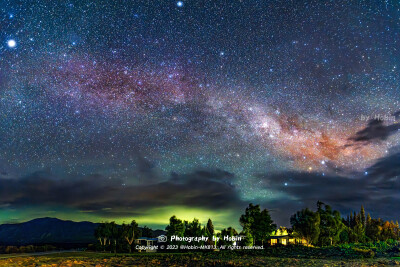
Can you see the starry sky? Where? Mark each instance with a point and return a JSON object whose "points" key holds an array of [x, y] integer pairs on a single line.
{"points": [[113, 110]]}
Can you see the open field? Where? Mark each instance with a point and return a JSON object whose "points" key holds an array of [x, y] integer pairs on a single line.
{"points": [[182, 259]]}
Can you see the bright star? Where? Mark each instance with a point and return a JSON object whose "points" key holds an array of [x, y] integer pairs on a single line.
{"points": [[179, 4], [285, 184], [11, 43]]}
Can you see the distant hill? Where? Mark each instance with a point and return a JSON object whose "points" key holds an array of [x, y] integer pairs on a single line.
{"points": [[47, 231], [50, 231], [157, 233]]}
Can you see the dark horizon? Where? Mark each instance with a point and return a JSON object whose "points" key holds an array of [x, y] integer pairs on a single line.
{"points": [[146, 109], [236, 225]]}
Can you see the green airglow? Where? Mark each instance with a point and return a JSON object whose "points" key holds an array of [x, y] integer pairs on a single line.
{"points": [[156, 218]]}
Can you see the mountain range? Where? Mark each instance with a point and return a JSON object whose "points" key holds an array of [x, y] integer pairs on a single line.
{"points": [[47, 231], [50, 231]]}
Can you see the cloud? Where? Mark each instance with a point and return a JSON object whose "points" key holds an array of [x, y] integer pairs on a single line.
{"points": [[307, 188], [377, 189], [386, 171], [376, 130], [209, 189]]}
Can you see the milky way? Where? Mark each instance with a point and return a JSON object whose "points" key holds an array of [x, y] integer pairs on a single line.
{"points": [[232, 93]]}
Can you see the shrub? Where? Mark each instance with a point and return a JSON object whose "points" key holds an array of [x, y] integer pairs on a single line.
{"points": [[11, 249], [365, 253]]}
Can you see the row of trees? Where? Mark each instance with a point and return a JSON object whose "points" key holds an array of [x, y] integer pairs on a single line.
{"points": [[112, 236], [257, 226], [326, 227], [194, 228], [366, 228], [322, 227]]}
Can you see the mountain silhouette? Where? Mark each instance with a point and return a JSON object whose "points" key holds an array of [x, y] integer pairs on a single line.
{"points": [[47, 231]]}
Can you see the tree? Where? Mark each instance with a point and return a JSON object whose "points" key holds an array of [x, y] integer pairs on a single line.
{"points": [[388, 230], [209, 228], [319, 205], [351, 224], [331, 225], [209, 231], [115, 234], [248, 237], [362, 215], [306, 224], [265, 226], [355, 219], [257, 222], [227, 232], [359, 231], [230, 231], [193, 228], [129, 232], [103, 234], [344, 236], [147, 232], [369, 219], [175, 227]]}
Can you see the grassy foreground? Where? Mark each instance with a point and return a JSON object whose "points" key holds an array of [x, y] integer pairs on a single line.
{"points": [[182, 259]]}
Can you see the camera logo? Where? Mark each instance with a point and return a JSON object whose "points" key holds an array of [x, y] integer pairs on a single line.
{"points": [[162, 238]]}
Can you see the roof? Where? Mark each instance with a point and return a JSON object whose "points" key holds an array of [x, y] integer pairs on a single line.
{"points": [[147, 238], [279, 236]]}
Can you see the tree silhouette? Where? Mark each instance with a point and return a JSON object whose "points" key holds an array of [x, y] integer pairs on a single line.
{"points": [[129, 232], [103, 234], [175, 227], [147, 232], [193, 228], [209, 228], [227, 232], [306, 224], [115, 234], [362, 215], [331, 224], [257, 222]]}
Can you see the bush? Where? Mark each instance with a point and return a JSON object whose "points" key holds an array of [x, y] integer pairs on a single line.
{"points": [[365, 253], [11, 249]]}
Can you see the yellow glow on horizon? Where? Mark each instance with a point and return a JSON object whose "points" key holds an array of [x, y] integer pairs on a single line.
{"points": [[156, 218], [160, 216]]}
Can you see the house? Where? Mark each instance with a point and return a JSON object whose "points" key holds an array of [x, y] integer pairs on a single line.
{"points": [[283, 237], [146, 244]]}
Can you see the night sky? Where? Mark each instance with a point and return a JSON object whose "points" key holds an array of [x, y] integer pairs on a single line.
{"points": [[120, 110]]}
